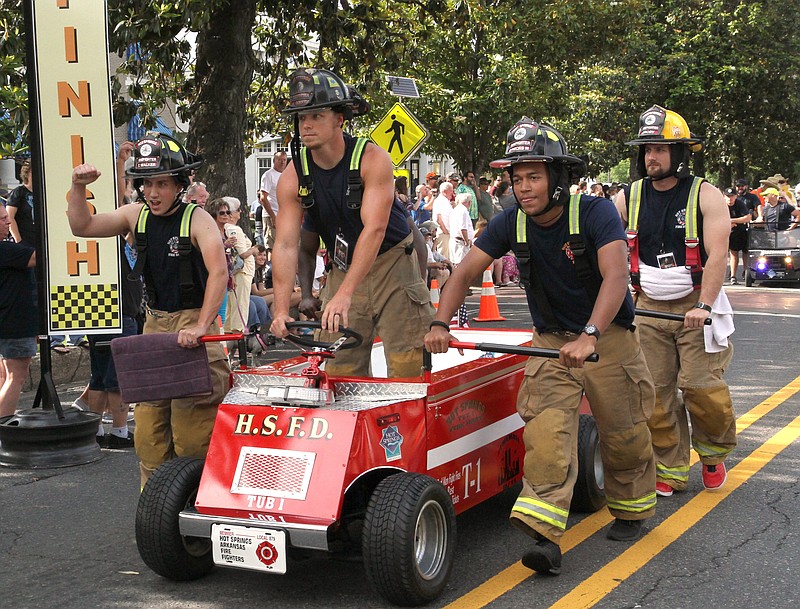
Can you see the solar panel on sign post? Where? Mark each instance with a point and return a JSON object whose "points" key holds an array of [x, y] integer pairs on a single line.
{"points": [[402, 86]]}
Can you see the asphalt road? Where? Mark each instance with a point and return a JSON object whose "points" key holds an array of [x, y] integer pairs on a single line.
{"points": [[67, 542]]}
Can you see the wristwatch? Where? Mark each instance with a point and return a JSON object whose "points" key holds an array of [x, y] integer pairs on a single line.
{"points": [[704, 306], [591, 330]]}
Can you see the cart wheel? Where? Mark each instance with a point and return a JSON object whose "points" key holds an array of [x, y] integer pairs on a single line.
{"points": [[172, 488], [409, 538], [589, 495], [748, 278]]}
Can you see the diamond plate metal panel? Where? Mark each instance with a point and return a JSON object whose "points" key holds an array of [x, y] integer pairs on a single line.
{"points": [[251, 389]]}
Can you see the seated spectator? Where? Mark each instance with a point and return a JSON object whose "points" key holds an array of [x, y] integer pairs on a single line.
{"points": [[260, 316], [262, 281], [505, 271], [510, 274]]}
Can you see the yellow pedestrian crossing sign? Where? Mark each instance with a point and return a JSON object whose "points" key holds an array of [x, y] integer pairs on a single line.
{"points": [[399, 133]]}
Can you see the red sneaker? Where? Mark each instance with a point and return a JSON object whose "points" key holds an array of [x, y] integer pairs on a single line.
{"points": [[714, 476], [663, 489]]}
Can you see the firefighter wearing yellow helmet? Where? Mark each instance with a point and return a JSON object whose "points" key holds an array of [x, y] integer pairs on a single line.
{"points": [[678, 228]]}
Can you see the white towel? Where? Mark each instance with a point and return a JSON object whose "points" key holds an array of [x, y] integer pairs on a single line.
{"points": [[716, 335], [665, 284]]}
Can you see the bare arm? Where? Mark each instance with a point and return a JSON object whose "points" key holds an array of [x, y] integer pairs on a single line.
{"points": [[306, 265], [796, 217], [12, 211], [716, 231], [472, 266], [263, 198], [125, 151], [419, 247], [83, 223], [442, 224], [285, 253], [376, 203], [622, 207], [240, 243]]}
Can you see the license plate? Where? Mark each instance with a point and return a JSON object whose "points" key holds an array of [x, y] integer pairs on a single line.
{"points": [[249, 548]]}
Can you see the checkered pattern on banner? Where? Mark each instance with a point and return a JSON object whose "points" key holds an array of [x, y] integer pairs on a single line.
{"points": [[84, 307]]}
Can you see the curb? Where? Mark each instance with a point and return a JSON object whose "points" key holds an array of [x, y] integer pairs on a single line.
{"points": [[70, 367]]}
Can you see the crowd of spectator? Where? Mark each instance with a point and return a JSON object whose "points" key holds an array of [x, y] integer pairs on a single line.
{"points": [[450, 212]]}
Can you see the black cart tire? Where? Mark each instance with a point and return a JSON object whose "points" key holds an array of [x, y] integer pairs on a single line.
{"points": [[409, 539], [748, 278], [589, 494], [171, 489]]}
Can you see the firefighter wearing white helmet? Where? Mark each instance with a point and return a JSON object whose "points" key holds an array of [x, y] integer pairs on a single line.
{"points": [[342, 188], [678, 229], [571, 253]]}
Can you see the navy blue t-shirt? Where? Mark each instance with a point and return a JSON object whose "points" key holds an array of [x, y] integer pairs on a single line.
{"points": [[18, 307], [568, 297]]}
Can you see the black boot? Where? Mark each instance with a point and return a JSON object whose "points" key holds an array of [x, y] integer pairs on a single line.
{"points": [[625, 530], [545, 557]]}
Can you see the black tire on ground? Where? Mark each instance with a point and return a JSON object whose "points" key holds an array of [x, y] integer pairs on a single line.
{"points": [[409, 539], [171, 488], [589, 494], [748, 278]]}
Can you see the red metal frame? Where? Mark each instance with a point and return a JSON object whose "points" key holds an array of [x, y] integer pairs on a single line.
{"points": [[462, 430]]}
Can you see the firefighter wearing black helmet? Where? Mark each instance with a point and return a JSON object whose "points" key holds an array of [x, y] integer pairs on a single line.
{"points": [[182, 260], [678, 230], [572, 258], [342, 188]]}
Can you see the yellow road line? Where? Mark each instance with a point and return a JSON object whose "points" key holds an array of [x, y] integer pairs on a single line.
{"points": [[602, 582], [514, 575]]}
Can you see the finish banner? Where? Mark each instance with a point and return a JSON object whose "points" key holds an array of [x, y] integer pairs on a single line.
{"points": [[75, 123]]}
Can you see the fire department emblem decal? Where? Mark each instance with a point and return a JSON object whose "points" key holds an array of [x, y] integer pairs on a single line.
{"points": [[391, 441], [566, 249], [267, 553]]}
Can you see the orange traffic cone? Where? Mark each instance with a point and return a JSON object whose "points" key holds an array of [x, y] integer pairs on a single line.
{"points": [[489, 310], [435, 293]]}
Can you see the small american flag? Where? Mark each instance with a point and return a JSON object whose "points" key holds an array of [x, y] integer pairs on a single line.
{"points": [[460, 319]]}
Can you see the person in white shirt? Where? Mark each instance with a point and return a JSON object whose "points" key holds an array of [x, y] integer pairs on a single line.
{"points": [[461, 230], [269, 199], [442, 207]]}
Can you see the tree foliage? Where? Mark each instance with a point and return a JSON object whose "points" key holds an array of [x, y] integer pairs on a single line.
{"points": [[729, 67], [589, 67], [13, 89]]}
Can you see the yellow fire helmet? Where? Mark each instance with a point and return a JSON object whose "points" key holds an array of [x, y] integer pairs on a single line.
{"points": [[658, 125]]}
